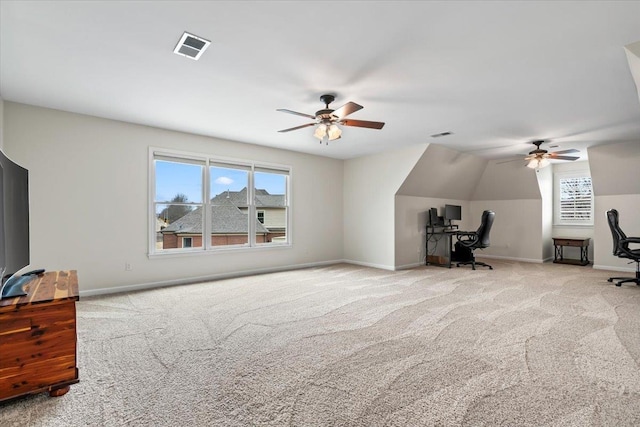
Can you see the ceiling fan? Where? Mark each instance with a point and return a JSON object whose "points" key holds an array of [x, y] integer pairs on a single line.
{"points": [[539, 158], [328, 119]]}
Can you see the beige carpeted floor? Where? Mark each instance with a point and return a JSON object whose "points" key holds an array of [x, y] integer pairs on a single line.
{"points": [[522, 345]]}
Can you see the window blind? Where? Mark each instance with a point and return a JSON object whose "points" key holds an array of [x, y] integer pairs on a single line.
{"points": [[576, 199]]}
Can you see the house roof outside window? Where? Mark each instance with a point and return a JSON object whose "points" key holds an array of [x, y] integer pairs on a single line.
{"points": [[226, 215]]}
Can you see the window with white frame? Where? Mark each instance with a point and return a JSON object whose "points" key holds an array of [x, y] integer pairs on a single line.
{"points": [[185, 220], [573, 199]]}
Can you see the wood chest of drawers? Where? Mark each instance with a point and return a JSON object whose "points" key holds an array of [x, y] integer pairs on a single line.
{"points": [[38, 337]]}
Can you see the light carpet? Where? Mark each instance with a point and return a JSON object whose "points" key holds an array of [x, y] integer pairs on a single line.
{"points": [[344, 345]]}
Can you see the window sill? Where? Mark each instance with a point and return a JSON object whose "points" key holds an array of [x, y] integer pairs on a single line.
{"points": [[201, 252]]}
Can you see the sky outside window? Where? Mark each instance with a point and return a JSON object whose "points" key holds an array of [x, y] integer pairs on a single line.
{"points": [[174, 178], [178, 178]]}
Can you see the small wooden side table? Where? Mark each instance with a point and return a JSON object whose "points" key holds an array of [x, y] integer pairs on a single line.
{"points": [[560, 242], [38, 337]]}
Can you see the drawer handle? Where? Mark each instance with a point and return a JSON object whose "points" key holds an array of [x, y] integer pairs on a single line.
{"points": [[8, 327]]}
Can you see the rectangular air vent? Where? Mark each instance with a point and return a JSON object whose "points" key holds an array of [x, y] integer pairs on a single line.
{"points": [[191, 46], [439, 135]]}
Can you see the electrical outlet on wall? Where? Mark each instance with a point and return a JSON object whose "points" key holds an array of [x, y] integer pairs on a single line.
{"points": [[127, 266]]}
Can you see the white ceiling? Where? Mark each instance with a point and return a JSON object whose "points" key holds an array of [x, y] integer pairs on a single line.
{"points": [[496, 74]]}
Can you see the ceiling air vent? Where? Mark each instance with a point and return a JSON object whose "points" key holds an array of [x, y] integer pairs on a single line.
{"points": [[191, 46], [440, 135]]}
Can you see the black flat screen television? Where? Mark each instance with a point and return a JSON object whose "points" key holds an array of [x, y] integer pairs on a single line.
{"points": [[14, 226], [452, 212]]}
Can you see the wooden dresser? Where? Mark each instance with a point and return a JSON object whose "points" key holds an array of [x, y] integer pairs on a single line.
{"points": [[38, 337]]}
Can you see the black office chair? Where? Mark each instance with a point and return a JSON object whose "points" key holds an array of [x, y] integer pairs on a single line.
{"points": [[476, 240], [621, 248]]}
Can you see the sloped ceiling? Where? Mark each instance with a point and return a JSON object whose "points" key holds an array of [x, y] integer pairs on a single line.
{"points": [[633, 57], [615, 168], [507, 181], [443, 173]]}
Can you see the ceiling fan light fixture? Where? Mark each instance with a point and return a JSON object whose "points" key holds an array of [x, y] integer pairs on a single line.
{"points": [[334, 132], [321, 131], [537, 163]]}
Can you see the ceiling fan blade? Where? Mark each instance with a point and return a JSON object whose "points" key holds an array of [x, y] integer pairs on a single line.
{"points": [[284, 110], [346, 109], [362, 124], [297, 127], [571, 150], [563, 157]]}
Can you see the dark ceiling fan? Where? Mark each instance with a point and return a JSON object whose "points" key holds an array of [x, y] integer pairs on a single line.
{"points": [[539, 157], [328, 119]]}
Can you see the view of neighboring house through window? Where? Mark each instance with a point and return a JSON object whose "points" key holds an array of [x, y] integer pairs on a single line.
{"points": [[270, 197], [178, 193], [573, 199], [229, 204], [247, 203]]}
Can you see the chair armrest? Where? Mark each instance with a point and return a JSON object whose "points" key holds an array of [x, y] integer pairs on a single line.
{"points": [[467, 238], [623, 246], [460, 234]]}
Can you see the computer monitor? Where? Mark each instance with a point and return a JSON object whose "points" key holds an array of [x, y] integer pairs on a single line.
{"points": [[452, 212]]}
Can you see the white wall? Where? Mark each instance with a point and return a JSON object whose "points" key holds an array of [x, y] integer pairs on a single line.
{"points": [[516, 232], [370, 185], [88, 190], [513, 193], [545, 183], [616, 185], [628, 207], [410, 222]]}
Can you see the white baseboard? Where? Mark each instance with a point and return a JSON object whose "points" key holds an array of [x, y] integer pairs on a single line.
{"points": [[368, 264], [611, 268], [507, 258], [173, 282], [408, 266], [152, 285]]}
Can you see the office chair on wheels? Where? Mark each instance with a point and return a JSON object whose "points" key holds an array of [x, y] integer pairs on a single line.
{"points": [[476, 240], [621, 248]]}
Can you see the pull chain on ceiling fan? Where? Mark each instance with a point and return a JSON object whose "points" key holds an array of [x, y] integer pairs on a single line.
{"points": [[328, 120]]}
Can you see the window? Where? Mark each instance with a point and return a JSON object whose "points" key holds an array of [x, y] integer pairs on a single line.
{"points": [[270, 196], [181, 216], [573, 199]]}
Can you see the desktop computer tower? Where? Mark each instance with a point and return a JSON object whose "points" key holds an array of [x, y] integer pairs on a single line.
{"points": [[434, 219]]}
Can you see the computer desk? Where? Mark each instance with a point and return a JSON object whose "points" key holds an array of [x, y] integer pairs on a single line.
{"points": [[448, 232]]}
